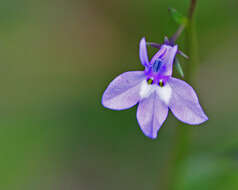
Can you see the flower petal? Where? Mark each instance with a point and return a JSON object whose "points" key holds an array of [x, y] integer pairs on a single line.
{"points": [[169, 59], [184, 103], [151, 114], [123, 91], [166, 54], [143, 53]]}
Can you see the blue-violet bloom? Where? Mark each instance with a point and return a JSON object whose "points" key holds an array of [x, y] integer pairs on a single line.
{"points": [[156, 91]]}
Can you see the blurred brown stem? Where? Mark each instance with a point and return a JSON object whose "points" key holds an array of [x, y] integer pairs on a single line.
{"points": [[191, 10], [180, 145]]}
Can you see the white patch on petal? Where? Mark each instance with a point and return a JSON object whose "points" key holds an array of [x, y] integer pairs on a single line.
{"points": [[146, 89], [164, 93]]}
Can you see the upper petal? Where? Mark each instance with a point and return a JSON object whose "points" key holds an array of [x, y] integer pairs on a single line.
{"points": [[123, 91], [166, 54], [184, 103], [151, 114], [143, 53]]}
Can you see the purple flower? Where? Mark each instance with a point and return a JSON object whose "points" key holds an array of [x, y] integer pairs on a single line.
{"points": [[156, 91]]}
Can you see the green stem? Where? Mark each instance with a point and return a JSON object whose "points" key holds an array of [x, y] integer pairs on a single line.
{"points": [[181, 141], [191, 45]]}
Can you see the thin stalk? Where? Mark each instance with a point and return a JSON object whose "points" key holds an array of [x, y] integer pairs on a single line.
{"points": [[177, 33]]}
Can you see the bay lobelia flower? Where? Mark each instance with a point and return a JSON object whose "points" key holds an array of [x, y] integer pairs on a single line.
{"points": [[156, 91]]}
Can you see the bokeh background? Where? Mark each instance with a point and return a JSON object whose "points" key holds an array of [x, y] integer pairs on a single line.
{"points": [[57, 57]]}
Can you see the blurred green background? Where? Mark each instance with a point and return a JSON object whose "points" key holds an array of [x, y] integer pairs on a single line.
{"points": [[57, 57]]}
